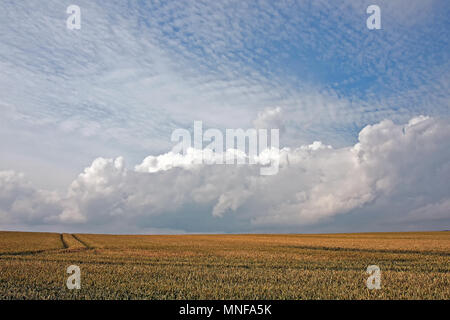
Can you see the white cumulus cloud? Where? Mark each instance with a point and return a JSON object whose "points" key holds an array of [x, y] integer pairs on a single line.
{"points": [[407, 166]]}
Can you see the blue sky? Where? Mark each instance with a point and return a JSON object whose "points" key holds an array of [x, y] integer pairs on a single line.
{"points": [[136, 70]]}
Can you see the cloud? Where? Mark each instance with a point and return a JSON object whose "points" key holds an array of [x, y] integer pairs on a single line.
{"points": [[434, 211], [270, 118], [406, 166], [20, 202]]}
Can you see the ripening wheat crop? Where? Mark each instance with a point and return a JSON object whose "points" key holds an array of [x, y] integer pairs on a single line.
{"points": [[414, 265]]}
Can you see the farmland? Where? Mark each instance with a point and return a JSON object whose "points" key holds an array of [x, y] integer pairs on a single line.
{"points": [[414, 265]]}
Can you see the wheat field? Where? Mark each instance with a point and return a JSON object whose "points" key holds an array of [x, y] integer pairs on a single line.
{"points": [[414, 265]]}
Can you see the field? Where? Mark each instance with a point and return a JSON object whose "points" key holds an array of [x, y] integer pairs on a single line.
{"points": [[413, 266]]}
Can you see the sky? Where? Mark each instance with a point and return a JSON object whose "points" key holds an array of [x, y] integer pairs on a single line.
{"points": [[87, 115]]}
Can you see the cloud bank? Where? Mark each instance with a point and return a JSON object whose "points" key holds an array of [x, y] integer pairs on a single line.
{"points": [[400, 171]]}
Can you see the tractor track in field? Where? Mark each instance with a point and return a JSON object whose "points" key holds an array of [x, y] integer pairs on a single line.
{"points": [[73, 242], [81, 241], [369, 250], [29, 252], [277, 268], [70, 242], [64, 243]]}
